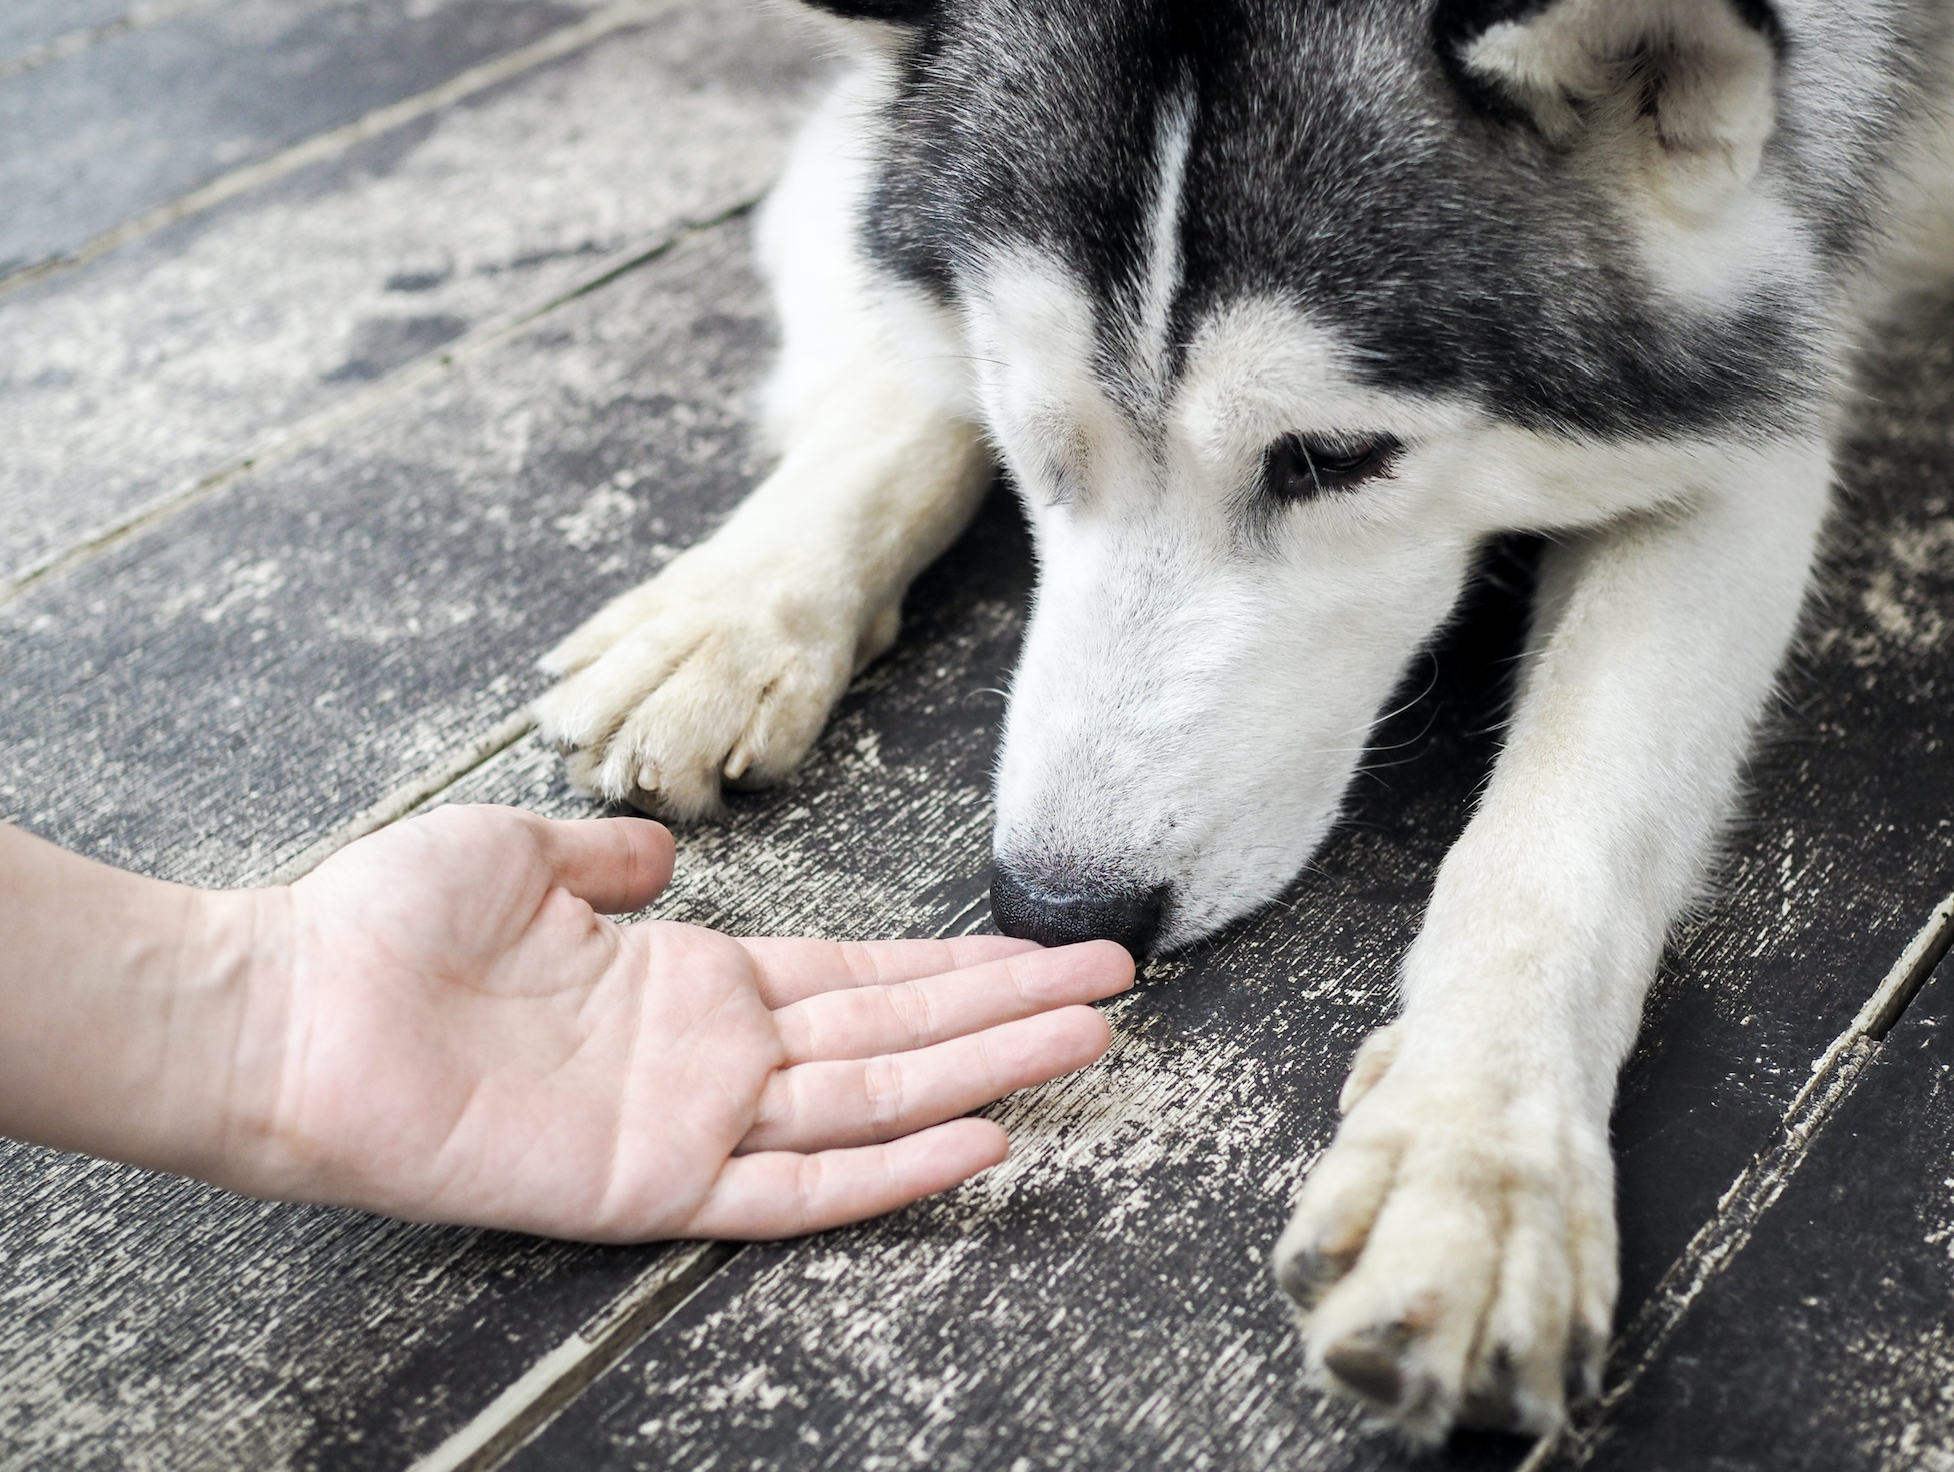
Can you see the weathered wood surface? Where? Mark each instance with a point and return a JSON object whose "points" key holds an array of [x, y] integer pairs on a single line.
{"points": [[155, 1323], [208, 699], [157, 366], [144, 116], [1830, 1343], [289, 1337], [29, 27], [1103, 1299], [205, 701], [287, 1328]]}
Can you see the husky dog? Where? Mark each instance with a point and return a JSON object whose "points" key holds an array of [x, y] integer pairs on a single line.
{"points": [[1276, 311]]}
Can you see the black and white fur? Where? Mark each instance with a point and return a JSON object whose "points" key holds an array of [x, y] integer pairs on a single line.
{"points": [[1276, 310]]}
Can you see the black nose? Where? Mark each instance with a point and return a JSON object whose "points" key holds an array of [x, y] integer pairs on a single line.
{"points": [[1058, 913]]}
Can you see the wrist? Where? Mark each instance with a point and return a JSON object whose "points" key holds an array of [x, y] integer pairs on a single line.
{"points": [[126, 1007], [217, 1088]]}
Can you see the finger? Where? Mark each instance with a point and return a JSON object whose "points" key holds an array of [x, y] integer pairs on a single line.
{"points": [[824, 1106], [871, 1020], [791, 968], [778, 1194], [615, 865]]}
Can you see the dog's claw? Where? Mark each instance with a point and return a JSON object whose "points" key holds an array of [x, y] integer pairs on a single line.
{"points": [[1367, 1368], [1582, 1382], [1455, 1264], [1312, 1272], [1493, 1404], [691, 681]]}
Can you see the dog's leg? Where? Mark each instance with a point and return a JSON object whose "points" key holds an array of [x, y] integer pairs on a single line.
{"points": [[725, 666], [1456, 1243]]}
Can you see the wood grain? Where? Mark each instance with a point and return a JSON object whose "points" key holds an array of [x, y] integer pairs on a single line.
{"points": [[208, 699], [98, 136], [1103, 1300], [167, 710], [1829, 1344], [134, 379], [205, 701], [30, 28]]}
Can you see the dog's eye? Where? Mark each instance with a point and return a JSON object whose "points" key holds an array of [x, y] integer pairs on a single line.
{"points": [[1297, 467]]}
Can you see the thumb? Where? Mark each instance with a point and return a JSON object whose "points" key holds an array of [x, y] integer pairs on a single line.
{"points": [[615, 865]]}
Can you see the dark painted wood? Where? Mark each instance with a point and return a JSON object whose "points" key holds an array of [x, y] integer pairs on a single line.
{"points": [[1104, 1301], [129, 124], [1829, 1345], [27, 26], [195, 705], [167, 360], [155, 1323], [206, 701], [1849, 841]]}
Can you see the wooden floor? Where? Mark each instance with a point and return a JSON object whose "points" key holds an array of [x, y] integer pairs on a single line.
{"points": [[354, 350]]}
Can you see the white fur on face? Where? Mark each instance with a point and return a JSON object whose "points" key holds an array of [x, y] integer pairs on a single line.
{"points": [[1196, 687], [1162, 284], [1201, 674]]}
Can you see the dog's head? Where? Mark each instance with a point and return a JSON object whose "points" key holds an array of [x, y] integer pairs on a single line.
{"points": [[1277, 308]]}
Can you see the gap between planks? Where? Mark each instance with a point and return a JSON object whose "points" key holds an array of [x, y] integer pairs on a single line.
{"points": [[549, 1385], [320, 426], [1835, 1075], [535, 1398], [560, 1376], [331, 144], [72, 43], [410, 795]]}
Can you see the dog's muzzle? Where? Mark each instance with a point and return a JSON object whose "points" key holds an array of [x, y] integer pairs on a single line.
{"points": [[1057, 914]]}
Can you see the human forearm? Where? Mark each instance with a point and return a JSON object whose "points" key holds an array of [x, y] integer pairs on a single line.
{"points": [[123, 1008]]}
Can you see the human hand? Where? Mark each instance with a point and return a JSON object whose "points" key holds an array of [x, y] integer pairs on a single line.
{"points": [[448, 1029]]}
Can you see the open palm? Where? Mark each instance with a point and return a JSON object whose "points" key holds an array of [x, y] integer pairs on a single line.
{"points": [[465, 1037]]}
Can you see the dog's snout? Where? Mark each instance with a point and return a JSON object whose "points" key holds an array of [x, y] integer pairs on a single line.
{"points": [[1056, 914]]}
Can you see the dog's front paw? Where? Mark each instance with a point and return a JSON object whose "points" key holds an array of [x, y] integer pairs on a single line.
{"points": [[719, 669], [1454, 1249]]}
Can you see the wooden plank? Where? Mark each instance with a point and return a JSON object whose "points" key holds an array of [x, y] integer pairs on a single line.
{"points": [[204, 702], [129, 382], [157, 1323], [120, 127], [1104, 1298], [30, 29], [153, 1322], [398, 551], [1829, 1345]]}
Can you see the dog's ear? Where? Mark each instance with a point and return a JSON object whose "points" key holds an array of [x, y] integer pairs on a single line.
{"points": [[893, 12], [1685, 89]]}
